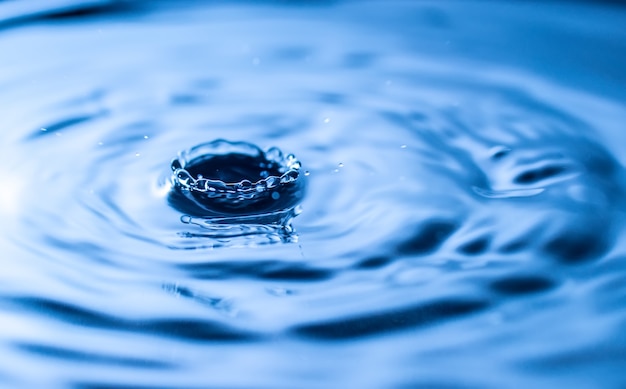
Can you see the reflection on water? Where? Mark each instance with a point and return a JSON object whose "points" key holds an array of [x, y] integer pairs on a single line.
{"points": [[464, 194]]}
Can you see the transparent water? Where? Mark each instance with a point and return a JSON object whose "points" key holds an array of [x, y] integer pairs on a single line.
{"points": [[463, 224]]}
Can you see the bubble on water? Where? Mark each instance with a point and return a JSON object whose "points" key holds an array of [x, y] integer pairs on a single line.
{"points": [[236, 184]]}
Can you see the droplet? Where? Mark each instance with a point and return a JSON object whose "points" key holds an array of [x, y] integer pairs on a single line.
{"points": [[288, 177], [272, 181], [326, 120], [261, 186], [245, 185], [274, 154], [202, 183]]}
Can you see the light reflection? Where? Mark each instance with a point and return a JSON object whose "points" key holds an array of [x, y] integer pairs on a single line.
{"points": [[10, 193]]}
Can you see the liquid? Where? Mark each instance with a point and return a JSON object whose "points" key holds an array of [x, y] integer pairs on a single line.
{"points": [[464, 210]]}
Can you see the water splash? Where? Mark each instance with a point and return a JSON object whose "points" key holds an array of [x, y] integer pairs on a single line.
{"points": [[236, 189]]}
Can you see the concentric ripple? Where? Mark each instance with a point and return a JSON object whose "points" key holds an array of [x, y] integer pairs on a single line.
{"points": [[462, 204]]}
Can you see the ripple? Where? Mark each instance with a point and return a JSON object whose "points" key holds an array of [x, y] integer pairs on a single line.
{"points": [[177, 328], [405, 318], [77, 356], [441, 166], [521, 285]]}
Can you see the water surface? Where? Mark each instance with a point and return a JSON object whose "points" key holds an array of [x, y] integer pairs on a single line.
{"points": [[463, 222]]}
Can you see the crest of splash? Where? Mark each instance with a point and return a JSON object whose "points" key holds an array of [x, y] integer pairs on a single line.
{"points": [[235, 189]]}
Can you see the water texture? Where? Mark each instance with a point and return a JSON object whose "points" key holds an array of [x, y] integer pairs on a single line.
{"points": [[460, 194]]}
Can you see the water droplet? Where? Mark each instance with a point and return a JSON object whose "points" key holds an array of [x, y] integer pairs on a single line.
{"points": [[326, 120], [307, 173], [403, 147], [295, 165], [44, 129], [272, 181], [261, 186], [245, 185], [183, 177], [146, 137], [340, 164], [274, 154], [290, 176], [275, 195], [176, 165]]}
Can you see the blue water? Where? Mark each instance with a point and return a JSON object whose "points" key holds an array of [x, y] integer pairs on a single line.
{"points": [[463, 224]]}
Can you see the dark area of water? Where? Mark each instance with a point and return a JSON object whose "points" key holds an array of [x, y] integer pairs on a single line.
{"points": [[454, 217]]}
